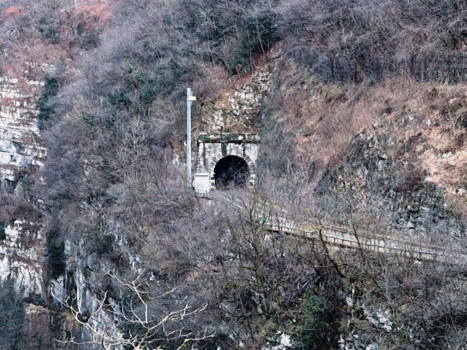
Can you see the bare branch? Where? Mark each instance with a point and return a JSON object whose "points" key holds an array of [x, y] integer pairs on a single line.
{"points": [[150, 329]]}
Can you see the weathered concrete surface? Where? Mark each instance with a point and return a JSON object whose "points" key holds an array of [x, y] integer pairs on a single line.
{"points": [[213, 147]]}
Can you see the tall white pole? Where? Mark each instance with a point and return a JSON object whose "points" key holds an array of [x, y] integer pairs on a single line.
{"points": [[188, 136]]}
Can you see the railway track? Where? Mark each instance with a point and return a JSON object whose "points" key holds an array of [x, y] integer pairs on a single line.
{"points": [[347, 237]]}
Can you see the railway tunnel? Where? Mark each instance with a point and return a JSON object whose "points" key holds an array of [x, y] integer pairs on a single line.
{"points": [[230, 172], [225, 161]]}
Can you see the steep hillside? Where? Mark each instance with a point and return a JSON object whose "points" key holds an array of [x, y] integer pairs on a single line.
{"points": [[412, 155], [361, 112]]}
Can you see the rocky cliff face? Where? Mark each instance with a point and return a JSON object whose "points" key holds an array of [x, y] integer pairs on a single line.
{"points": [[19, 133], [22, 258], [401, 172], [22, 250], [23, 241], [391, 173], [237, 109]]}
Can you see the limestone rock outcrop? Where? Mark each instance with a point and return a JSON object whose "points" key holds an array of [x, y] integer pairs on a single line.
{"points": [[22, 249], [19, 132]]}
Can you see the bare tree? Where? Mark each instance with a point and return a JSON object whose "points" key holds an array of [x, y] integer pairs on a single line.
{"points": [[134, 324]]}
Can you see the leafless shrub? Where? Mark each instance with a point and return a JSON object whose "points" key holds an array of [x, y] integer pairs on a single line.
{"points": [[133, 323]]}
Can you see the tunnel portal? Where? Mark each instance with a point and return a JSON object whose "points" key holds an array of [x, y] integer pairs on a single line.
{"points": [[231, 171], [225, 160]]}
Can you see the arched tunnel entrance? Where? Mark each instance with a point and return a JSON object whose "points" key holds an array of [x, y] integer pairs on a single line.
{"points": [[231, 171]]}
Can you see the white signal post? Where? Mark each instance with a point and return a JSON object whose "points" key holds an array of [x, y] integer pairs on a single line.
{"points": [[189, 100]]}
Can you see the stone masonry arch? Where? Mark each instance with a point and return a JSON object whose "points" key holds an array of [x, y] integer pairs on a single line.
{"points": [[214, 147]]}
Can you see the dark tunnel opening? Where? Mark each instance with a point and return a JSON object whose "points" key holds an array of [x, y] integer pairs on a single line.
{"points": [[231, 171]]}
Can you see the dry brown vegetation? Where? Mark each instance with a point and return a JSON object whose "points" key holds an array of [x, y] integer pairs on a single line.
{"points": [[354, 83], [323, 118]]}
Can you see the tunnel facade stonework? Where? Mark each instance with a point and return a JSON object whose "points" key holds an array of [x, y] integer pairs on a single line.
{"points": [[211, 148]]}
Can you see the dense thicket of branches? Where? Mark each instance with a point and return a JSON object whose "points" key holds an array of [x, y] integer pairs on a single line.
{"points": [[126, 105], [358, 40], [111, 124]]}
